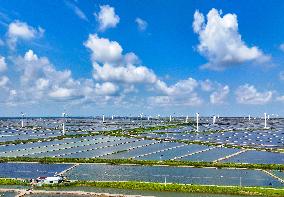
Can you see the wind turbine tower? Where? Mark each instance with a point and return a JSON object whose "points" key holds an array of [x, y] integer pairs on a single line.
{"points": [[265, 121], [170, 118], [63, 125], [22, 121], [186, 119], [197, 122], [214, 119], [103, 118]]}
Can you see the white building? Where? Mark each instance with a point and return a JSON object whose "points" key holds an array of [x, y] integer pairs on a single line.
{"points": [[49, 180]]}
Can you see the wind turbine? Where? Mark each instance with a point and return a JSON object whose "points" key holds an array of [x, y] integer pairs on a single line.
{"points": [[265, 126], [186, 119], [22, 121], [63, 125], [103, 118], [214, 119], [197, 121], [170, 118]]}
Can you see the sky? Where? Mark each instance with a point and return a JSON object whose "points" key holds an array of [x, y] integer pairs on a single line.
{"points": [[132, 57]]}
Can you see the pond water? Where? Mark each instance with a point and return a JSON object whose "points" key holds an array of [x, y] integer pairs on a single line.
{"points": [[186, 175], [30, 170]]}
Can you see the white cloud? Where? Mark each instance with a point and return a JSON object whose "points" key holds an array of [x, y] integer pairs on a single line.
{"points": [[3, 64], [20, 30], [248, 94], [221, 42], [207, 85], [111, 65], [125, 71], [40, 81], [30, 56], [219, 96], [107, 17], [182, 93], [77, 10], [60, 93], [103, 50], [280, 98], [161, 101], [141, 24], [3, 81], [180, 88], [106, 88], [125, 74]]}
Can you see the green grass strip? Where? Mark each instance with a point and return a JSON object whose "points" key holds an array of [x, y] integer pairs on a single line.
{"points": [[231, 190], [144, 162]]}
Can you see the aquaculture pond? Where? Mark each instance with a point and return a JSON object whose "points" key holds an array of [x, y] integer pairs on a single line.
{"points": [[30, 170], [205, 176]]}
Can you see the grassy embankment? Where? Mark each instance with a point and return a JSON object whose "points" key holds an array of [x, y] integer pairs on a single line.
{"points": [[144, 162], [161, 187]]}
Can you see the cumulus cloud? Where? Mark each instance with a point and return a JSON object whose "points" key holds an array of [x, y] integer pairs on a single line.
{"points": [[18, 30], [106, 88], [3, 64], [39, 77], [111, 65], [221, 42], [248, 94], [141, 24], [41, 81], [183, 92], [125, 70], [180, 88], [107, 17], [59, 93], [125, 74], [219, 96], [104, 50]]}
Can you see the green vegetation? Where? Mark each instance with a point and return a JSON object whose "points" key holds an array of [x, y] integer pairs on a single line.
{"points": [[143, 162], [232, 190], [10, 181], [139, 130], [169, 187]]}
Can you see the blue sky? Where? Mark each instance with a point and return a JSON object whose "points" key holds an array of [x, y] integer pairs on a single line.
{"points": [[151, 57]]}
